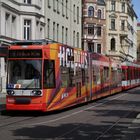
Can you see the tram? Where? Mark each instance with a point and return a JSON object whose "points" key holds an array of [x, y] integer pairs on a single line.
{"points": [[130, 75], [50, 76]]}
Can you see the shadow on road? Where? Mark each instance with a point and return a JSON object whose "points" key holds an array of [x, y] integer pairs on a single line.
{"points": [[78, 131]]}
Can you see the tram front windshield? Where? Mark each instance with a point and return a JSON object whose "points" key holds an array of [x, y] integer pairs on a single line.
{"points": [[24, 74]]}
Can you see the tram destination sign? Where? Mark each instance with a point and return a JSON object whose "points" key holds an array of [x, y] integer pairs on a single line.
{"points": [[25, 53]]}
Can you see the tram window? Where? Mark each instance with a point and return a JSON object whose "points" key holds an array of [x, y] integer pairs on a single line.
{"points": [[71, 75], [119, 75], [115, 74], [128, 74], [83, 76], [106, 73], [96, 74], [67, 77], [16, 70], [123, 75], [64, 76], [49, 74]]}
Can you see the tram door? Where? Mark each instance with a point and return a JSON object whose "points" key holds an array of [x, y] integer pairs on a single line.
{"points": [[87, 85], [102, 77], [78, 82]]}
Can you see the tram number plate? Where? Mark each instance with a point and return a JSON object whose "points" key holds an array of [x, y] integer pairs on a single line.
{"points": [[22, 100]]}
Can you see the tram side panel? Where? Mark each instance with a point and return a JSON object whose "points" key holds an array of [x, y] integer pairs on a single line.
{"points": [[101, 76], [116, 79], [72, 81], [130, 76]]}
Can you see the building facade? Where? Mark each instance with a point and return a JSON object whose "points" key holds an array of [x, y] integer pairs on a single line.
{"points": [[121, 23], [94, 26], [63, 21]]}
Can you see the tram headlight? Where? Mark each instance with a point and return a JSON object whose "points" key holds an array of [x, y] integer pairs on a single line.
{"points": [[10, 92], [37, 92]]}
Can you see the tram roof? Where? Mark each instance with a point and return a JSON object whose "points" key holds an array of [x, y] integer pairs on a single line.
{"points": [[32, 42]]}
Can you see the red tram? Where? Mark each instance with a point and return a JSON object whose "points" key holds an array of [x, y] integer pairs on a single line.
{"points": [[53, 76], [130, 75]]}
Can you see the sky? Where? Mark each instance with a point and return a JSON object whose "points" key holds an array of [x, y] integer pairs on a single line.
{"points": [[136, 4]]}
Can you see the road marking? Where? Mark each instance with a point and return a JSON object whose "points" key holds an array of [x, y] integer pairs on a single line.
{"points": [[72, 114]]}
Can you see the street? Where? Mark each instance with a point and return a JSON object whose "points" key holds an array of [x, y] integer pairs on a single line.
{"points": [[116, 117]]}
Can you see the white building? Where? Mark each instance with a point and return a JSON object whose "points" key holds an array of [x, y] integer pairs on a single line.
{"points": [[58, 20], [22, 19], [63, 21]]}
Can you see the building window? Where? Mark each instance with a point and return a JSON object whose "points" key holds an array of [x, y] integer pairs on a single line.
{"points": [[66, 35], [63, 8], [57, 32], [91, 47], [91, 11], [48, 30], [27, 29], [91, 29], [112, 24], [49, 6], [123, 7], [74, 13], [99, 14], [73, 38], [122, 25], [66, 8], [58, 7], [113, 5], [54, 31], [13, 27], [37, 30], [98, 48], [77, 40], [7, 24], [54, 6], [62, 34], [27, 1], [98, 31], [78, 15], [113, 44]]}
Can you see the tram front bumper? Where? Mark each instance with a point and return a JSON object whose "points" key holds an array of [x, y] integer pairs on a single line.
{"points": [[25, 103], [23, 107]]}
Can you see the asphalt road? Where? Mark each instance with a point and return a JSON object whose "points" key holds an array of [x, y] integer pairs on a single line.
{"points": [[113, 118]]}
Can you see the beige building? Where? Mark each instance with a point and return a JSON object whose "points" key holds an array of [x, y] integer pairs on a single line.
{"points": [[94, 26], [121, 22]]}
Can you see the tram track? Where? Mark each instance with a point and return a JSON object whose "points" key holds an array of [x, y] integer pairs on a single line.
{"points": [[104, 132], [130, 111], [13, 120], [16, 124], [7, 124], [114, 124]]}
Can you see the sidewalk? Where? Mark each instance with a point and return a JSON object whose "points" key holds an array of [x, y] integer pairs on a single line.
{"points": [[2, 101]]}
